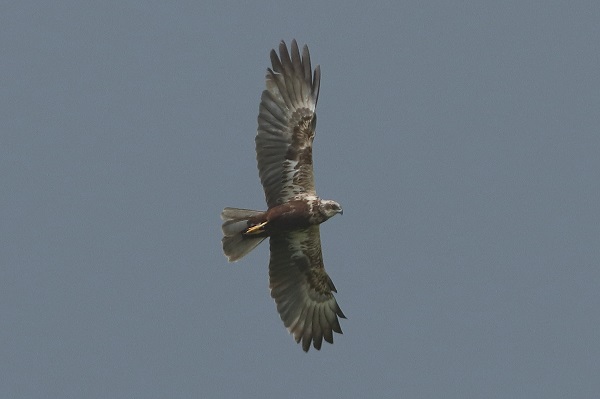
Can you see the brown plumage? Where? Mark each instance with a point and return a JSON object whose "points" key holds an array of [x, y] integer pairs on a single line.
{"points": [[299, 284]]}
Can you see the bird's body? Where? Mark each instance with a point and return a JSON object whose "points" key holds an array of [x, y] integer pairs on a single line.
{"points": [[302, 290]]}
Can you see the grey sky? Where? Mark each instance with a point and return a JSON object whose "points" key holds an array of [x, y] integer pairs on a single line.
{"points": [[461, 138]]}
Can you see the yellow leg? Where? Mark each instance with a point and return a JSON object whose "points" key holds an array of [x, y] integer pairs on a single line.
{"points": [[257, 229]]}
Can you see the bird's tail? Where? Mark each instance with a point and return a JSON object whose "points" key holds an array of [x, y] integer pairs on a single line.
{"points": [[235, 244]]}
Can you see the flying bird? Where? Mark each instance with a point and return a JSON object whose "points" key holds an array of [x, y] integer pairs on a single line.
{"points": [[302, 290]]}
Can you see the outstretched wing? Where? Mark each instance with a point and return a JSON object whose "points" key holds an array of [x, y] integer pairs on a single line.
{"points": [[286, 126], [302, 289]]}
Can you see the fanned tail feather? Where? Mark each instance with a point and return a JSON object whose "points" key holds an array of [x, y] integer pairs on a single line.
{"points": [[235, 221]]}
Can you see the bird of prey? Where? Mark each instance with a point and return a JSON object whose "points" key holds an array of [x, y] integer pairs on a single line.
{"points": [[302, 290]]}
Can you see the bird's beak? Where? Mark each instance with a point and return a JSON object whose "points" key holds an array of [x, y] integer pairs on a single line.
{"points": [[341, 211]]}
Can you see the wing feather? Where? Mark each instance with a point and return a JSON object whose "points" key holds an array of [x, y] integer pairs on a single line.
{"points": [[286, 126], [317, 334], [302, 289]]}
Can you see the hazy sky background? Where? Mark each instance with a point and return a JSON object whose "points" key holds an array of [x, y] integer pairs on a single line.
{"points": [[461, 138]]}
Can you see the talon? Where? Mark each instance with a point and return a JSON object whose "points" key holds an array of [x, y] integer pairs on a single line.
{"points": [[257, 229]]}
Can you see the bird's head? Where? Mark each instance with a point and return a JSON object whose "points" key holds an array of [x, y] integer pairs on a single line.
{"points": [[330, 208]]}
